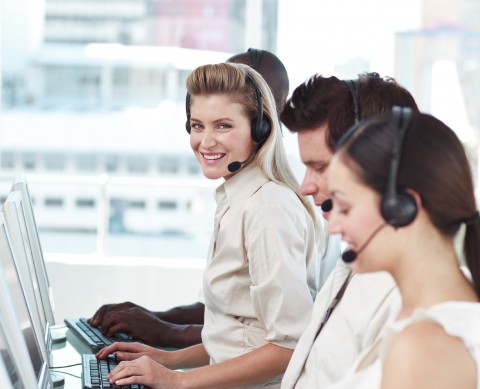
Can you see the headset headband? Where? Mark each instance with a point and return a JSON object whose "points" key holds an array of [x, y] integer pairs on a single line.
{"points": [[255, 56]]}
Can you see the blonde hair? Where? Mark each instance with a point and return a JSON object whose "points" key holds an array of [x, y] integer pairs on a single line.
{"points": [[231, 79]]}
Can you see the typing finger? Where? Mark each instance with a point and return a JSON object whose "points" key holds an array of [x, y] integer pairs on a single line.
{"points": [[119, 327], [124, 370], [98, 316], [104, 352]]}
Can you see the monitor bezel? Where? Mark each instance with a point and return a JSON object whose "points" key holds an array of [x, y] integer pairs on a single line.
{"points": [[16, 222], [24, 265], [20, 184], [9, 321], [5, 381]]}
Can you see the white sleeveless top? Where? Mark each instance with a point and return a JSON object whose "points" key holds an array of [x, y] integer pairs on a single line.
{"points": [[459, 319]]}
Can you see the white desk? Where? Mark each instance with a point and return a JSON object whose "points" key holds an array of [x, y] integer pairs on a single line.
{"points": [[66, 354]]}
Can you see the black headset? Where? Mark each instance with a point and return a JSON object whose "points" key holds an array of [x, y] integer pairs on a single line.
{"points": [[255, 56], [354, 88], [260, 126], [398, 208]]}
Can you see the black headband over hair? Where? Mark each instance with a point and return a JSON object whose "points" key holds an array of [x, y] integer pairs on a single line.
{"points": [[354, 88], [398, 207], [255, 56]]}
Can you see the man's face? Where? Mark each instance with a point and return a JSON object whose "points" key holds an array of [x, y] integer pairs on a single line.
{"points": [[316, 156]]}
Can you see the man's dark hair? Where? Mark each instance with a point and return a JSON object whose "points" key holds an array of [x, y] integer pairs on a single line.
{"points": [[272, 70], [327, 100]]}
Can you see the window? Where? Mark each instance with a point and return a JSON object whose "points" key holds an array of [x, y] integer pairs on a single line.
{"points": [[55, 162], [7, 160], [168, 165], [169, 205], [85, 203], [29, 161], [86, 162], [111, 163], [194, 167], [137, 164], [137, 204], [53, 202]]}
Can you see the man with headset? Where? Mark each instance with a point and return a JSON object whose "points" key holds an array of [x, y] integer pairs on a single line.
{"points": [[350, 310], [181, 326]]}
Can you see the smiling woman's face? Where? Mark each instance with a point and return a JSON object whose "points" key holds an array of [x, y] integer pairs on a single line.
{"points": [[220, 133]]}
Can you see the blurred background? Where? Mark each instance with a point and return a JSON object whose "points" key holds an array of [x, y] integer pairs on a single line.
{"points": [[93, 113]]}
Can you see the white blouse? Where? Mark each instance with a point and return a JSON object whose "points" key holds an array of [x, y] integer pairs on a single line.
{"points": [[459, 319], [370, 301], [259, 281]]}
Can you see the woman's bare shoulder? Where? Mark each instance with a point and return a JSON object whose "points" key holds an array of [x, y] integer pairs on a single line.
{"points": [[424, 353]]}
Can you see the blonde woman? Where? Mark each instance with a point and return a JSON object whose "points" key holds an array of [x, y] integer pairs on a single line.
{"points": [[259, 282]]}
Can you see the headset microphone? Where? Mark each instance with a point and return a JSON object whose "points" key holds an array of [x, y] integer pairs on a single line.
{"points": [[350, 255], [236, 165], [327, 205]]}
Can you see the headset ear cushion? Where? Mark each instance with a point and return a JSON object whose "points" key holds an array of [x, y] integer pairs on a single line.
{"points": [[399, 210], [187, 110], [260, 133]]}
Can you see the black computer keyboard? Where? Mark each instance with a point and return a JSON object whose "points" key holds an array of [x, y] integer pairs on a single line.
{"points": [[92, 336], [95, 371]]}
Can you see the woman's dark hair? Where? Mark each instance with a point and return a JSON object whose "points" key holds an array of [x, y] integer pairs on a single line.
{"points": [[433, 163]]}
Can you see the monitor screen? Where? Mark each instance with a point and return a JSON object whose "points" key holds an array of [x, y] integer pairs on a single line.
{"points": [[9, 376], [21, 309], [45, 290]]}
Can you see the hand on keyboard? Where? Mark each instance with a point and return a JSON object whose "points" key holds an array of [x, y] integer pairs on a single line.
{"points": [[98, 317], [95, 373], [135, 322], [92, 336], [145, 371], [151, 365], [130, 351], [97, 332]]}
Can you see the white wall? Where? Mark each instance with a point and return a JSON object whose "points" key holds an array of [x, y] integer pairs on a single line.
{"points": [[81, 284]]}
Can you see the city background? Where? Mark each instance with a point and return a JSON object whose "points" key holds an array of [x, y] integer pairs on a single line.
{"points": [[93, 103]]}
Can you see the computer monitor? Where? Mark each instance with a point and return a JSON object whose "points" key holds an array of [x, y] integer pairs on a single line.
{"points": [[20, 184], [9, 374], [12, 210], [17, 323], [5, 380]]}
